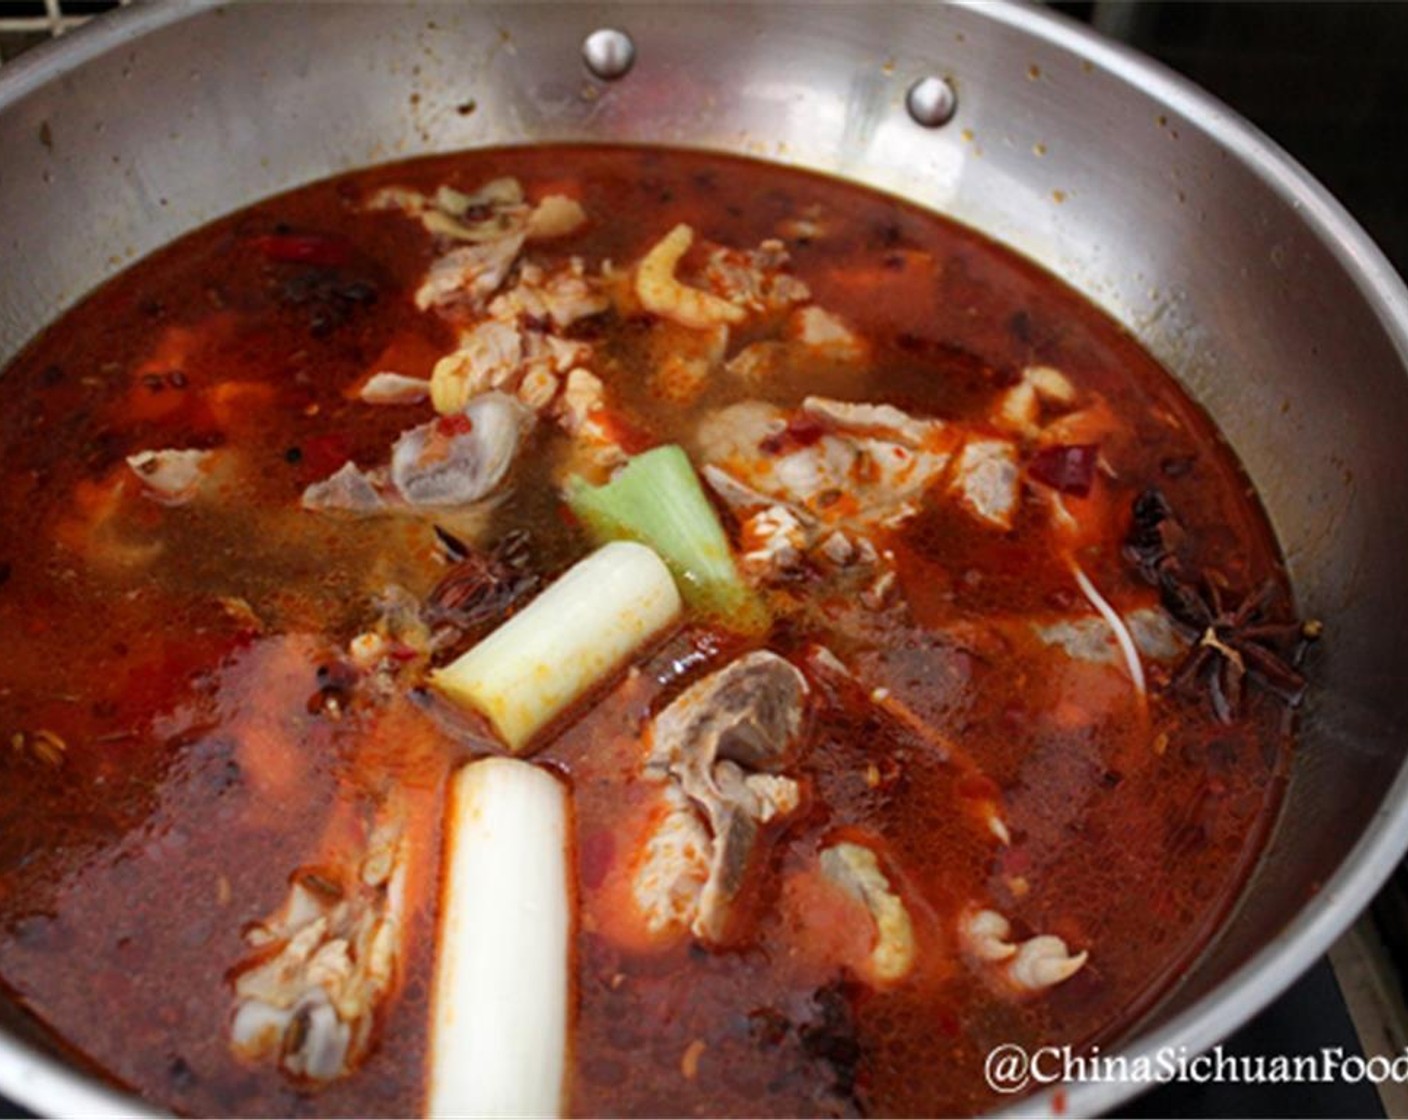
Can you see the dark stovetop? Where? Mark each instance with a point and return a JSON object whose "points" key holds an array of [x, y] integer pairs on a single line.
{"points": [[1307, 1019]]}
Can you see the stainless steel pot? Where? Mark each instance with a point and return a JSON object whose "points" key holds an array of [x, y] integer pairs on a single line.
{"points": [[1224, 257]]}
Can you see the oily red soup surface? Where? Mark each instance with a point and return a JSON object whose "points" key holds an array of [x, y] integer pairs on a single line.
{"points": [[172, 652]]}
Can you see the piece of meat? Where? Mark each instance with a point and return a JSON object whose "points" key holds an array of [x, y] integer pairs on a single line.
{"points": [[561, 297], [1028, 966], [739, 497], [348, 490], [883, 421], [494, 211], [827, 335], [721, 743], [490, 356], [321, 966], [867, 467], [670, 879], [749, 712], [470, 274], [1019, 408], [987, 480], [735, 432], [394, 388], [569, 295], [171, 477], [683, 361], [855, 869], [1090, 637], [755, 279], [772, 541], [444, 463], [760, 362], [555, 216]]}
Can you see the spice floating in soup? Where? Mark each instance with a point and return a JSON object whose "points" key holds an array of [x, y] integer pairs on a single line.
{"points": [[614, 630]]}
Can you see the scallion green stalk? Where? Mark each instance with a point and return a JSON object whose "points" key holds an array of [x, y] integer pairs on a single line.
{"points": [[656, 499]]}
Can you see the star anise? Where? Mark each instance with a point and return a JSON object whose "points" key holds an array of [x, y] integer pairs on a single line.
{"points": [[481, 587], [1232, 646], [1237, 646]]}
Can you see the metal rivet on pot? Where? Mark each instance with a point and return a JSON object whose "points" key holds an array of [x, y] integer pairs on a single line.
{"points": [[931, 102], [609, 53]]}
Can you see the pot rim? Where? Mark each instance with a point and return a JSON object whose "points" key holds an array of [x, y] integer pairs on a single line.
{"points": [[40, 1082]]}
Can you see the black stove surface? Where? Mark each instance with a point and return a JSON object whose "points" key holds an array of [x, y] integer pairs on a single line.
{"points": [[1309, 1018]]}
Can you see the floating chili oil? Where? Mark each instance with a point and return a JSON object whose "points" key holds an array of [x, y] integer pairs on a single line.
{"points": [[979, 636]]}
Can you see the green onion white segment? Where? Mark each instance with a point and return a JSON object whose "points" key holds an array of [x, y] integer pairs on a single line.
{"points": [[498, 1034], [599, 612]]}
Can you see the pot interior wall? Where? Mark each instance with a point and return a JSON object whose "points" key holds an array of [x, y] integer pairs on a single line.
{"points": [[1217, 260]]}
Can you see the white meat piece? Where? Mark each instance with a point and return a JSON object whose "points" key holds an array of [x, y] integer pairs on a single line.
{"points": [[469, 274], [759, 362], [855, 869], [773, 540], [394, 388], [986, 934], [563, 296], [1019, 408], [670, 879], [499, 201], [1043, 962], [347, 490], [773, 795], [838, 549], [431, 468], [565, 354], [827, 334], [570, 296], [682, 361], [754, 279], [882, 477], [1051, 384], [556, 215], [171, 477], [582, 395], [1030, 966], [397, 198], [884, 421], [497, 194], [321, 966], [737, 496], [987, 480], [1090, 637], [579, 409], [490, 356], [537, 389], [748, 712], [735, 432]]}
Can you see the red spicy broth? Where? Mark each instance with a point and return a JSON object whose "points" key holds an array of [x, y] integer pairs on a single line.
{"points": [[181, 736]]}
